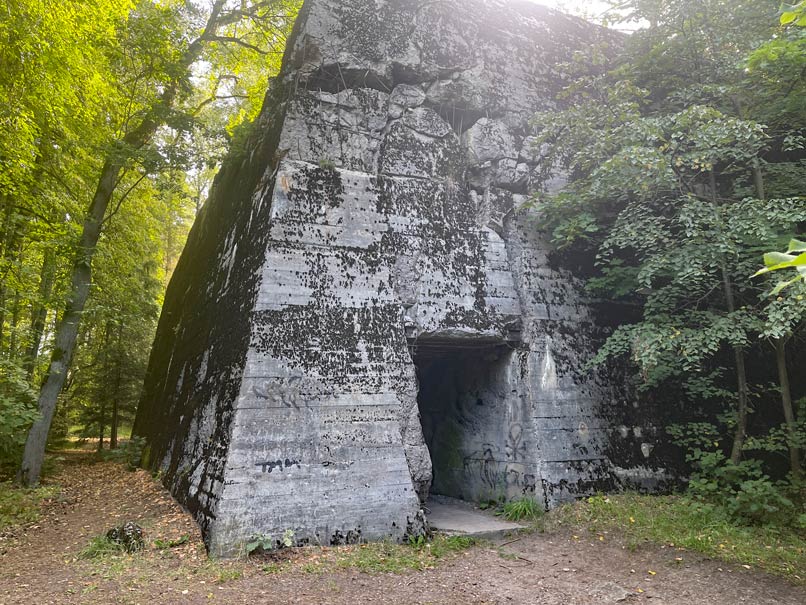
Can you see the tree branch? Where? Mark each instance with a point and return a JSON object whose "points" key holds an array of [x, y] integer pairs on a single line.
{"points": [[239, 42], [109, 216], [213, 98]]}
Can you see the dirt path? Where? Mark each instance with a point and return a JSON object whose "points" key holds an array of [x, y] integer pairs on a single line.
{"points": [[41, 565]]}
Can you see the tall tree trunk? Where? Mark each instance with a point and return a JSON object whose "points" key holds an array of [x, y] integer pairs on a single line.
{"points": [[101, 426], [12, 327], [2, 312], [67, 329], [743, 392], [789, 410], [39, 313], [10, 234], [780, 362], [113, 425], [113, 430], [105, 367], [758, 180]]}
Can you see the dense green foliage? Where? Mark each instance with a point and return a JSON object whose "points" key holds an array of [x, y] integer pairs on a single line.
{"points": [[685, 163], [114, 115]]}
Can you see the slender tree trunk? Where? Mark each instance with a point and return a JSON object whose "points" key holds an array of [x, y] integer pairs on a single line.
{"points": [[2, 314], [101, 426], [789, 410], [12, 327], [67, 329], [741, 411], [758, 180], [4, 230], [39, 313], [113, 425], [113, 431], [780, 362], [742, 391], [105, 368], [9, 243]]}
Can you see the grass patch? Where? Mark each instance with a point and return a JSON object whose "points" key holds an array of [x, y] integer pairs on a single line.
{"points": [[161, 544], [522, 509], [385, 557], [19, 505], [375, 557], [680, 522], [101, 547], [229, 574], [272, 568]]}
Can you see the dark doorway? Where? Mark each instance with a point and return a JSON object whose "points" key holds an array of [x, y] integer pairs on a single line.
{"points": [[469, 412]]}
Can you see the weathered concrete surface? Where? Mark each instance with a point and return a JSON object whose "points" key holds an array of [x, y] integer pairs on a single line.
{"points": [[457, 517], [373, 222]]}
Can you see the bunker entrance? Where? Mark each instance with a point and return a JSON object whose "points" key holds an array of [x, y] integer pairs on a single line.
{"points": [[466, 398]]}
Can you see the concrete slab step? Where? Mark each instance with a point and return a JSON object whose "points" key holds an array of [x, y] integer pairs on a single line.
{"points": [[457, 517]]}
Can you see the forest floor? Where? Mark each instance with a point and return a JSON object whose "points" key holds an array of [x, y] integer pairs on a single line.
{"points": [[51, 561]]}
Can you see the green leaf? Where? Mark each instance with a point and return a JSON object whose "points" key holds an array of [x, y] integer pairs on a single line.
{"points": [[788, 18], [798, 261], [773, 259], [796, 245]]}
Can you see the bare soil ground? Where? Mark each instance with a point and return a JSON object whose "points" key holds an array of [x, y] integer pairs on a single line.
{"points": [[41, 563]]}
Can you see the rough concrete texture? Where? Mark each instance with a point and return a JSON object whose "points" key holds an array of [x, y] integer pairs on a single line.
{"points": [[372, 222]]}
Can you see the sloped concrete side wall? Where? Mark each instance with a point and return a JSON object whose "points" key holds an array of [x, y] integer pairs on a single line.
{"points": [[199, 354]]}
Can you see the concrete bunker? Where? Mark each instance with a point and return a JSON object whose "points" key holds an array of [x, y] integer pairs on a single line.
{"points": [[361, 219], [470, 411]]}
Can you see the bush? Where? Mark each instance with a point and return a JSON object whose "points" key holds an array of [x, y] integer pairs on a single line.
{"points": [[17, 411], [742, 490], [761, 502]]}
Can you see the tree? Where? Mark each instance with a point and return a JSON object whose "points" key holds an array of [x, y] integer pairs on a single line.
{"points": [[151, 51], [52, 90], [674, 187]]}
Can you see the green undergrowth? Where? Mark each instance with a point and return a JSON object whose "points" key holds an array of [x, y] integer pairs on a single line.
{"points": [[522, 509], [19, 506], [684, 523]]}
